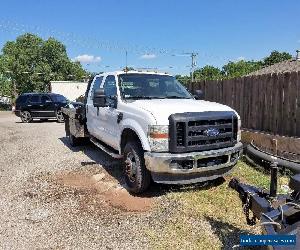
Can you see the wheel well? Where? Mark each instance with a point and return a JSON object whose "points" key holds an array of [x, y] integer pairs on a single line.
{"points": [[128, 135], [22, 110]]}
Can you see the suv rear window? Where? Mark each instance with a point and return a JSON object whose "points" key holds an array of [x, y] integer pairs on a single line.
{"points": [[22, 99]]}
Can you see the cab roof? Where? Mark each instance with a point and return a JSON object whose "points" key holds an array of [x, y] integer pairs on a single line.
{"points": [[119, 72]]}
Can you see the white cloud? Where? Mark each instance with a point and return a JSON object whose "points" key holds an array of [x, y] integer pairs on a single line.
{"points": [[240, 58], [87, 58], [148, 56]]}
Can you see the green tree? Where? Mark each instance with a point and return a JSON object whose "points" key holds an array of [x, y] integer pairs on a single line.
{"points": [[5, 83], [208, 73], [276, 57], [240, 68], [31, 63], [183, 79]]}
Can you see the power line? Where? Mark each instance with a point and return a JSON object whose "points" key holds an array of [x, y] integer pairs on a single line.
{"points": [[99, 44], [87, 42], [193, 56]]}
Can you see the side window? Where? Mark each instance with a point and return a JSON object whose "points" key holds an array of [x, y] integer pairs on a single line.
{"points": [[35, 99], [96, 85], [109, 86], [45, 98]]}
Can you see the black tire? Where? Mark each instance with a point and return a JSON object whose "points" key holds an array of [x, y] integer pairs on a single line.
{"points": [[137, 176], [26, 116], [59, 116], [74, 142]]}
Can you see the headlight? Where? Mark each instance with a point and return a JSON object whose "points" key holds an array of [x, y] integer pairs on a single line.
{"points": [[239, 133], [158, 137]]}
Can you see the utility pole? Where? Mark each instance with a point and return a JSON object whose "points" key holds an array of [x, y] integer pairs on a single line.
{"points": [[194, 64], [193, 56], [126, 69]]}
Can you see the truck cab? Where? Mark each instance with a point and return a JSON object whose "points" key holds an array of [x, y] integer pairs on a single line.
{"points": [[159, 130]]}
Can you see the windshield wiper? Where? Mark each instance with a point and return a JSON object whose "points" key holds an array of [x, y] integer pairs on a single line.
{"points": [[156, 97], [139, 97], [176, 97]]}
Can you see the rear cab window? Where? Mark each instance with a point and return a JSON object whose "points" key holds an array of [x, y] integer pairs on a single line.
{"points": [[96, 85]]}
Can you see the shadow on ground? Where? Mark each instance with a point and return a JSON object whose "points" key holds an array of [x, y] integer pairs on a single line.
{"points": [[228, 234], [114, 168]]}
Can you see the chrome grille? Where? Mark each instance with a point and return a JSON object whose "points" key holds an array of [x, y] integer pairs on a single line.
{"points": [[202, 131]]}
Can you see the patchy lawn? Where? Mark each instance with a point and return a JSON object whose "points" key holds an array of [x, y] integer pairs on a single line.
{"points": [[208, 217]]}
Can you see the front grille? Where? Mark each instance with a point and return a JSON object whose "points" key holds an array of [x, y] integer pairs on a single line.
{"points": [[191, 132], [180, 133]]}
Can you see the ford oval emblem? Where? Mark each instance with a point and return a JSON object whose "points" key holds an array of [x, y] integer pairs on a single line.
{"points": [[211, 132]]}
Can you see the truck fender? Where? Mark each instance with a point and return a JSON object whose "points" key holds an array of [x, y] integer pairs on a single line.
{"points": [[135, 127]]}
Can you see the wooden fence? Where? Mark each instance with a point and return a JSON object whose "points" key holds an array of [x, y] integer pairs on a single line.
{"points": [[268, 103]]}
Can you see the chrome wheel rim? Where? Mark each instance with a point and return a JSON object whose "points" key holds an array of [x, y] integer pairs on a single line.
{"points": [[131, 166], [25, 116]]}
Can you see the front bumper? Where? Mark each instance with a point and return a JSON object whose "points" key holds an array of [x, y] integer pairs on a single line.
{"points": [[197, 166]]}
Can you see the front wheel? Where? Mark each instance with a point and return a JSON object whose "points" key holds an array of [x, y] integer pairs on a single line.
{"points": [[26, 116], [137, 176], [59, 116]]}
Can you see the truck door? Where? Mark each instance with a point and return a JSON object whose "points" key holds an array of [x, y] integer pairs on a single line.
{"points": [[92, 113], [108, 116]]}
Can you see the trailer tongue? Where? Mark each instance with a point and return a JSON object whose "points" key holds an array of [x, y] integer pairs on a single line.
{"points": [[278, 214]]}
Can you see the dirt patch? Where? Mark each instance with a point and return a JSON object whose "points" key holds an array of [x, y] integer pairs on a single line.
{"points": [[98, 192], [124, 200]]}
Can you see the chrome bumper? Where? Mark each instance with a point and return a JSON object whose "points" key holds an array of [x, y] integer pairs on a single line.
{"points": [[161, 165]]}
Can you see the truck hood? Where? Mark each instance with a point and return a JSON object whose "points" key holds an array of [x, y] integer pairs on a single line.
{"points": [[161, 109]]}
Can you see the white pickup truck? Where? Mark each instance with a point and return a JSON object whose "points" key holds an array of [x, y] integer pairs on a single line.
{"points": [[157, 127]]}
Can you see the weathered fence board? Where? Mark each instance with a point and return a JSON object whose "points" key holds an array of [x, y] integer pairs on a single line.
{"points": [[268, 103]]}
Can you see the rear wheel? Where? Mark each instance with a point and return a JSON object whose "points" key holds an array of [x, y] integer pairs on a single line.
{"points": [[137, 176], [59, 116], [26, 116]]}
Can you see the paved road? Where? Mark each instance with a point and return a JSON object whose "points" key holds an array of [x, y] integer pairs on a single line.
{"points": [[56, 197]]}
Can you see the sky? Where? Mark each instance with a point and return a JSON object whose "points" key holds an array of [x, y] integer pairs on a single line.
{"points": [[157, 33]]}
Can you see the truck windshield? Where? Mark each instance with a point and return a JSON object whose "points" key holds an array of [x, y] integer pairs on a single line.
{"points": [[151, 86]]}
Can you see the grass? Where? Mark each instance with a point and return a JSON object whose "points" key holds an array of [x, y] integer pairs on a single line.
{"points": [[209, 217]]}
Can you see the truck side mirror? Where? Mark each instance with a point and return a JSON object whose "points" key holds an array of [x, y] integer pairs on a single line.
{"points": [[99, 99], [199, 94]]}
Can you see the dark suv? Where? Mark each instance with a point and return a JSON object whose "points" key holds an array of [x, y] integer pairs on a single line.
{"points": [[41, 106]]}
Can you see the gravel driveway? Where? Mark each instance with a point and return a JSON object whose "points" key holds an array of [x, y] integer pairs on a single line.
{"points": [[56, 197], [53, 196]]}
